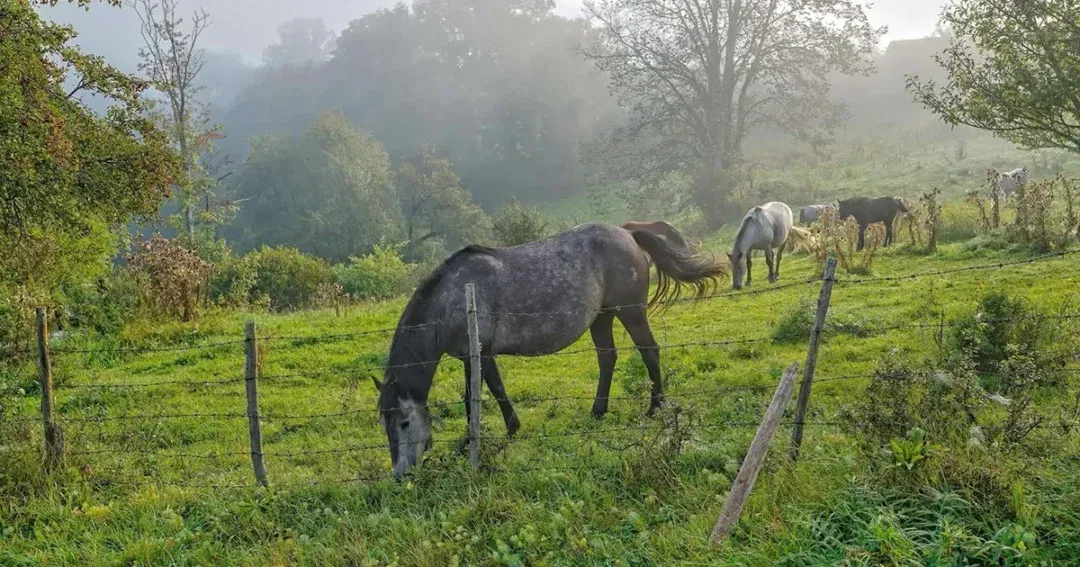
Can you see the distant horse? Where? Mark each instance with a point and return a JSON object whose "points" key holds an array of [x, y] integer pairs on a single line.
{"points": [[1011, 181], [763, 228], [537, 298], [659, 228], [811, 213], [868, 211]]}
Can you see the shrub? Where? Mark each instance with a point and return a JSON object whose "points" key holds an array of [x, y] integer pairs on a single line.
{"points": [[105, 307], [794, 326], [287, 278], [1001, 327], [517, 223], [232, 282], [172, 277], [379, 275], [833, 237]]}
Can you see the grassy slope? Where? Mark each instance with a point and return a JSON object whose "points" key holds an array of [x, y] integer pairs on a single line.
{"points": [[573, 500]]}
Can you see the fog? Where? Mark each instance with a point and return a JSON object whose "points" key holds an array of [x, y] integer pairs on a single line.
{"points": [[246, 27]]}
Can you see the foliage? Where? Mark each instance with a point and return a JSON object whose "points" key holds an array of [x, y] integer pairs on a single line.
{"points": [[105, 307], [171, 59], [434, 205], [286, 279], [911, 450], [327, 193], [699, 78], [831, 237], [379, 275], [68, 178], [171, 276], [1011, 71], [795, 325], [301, 41], [517, 223], [999, 328]]}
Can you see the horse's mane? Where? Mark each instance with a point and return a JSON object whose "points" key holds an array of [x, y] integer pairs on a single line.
{"points": [[744, 225], [427, 287]]}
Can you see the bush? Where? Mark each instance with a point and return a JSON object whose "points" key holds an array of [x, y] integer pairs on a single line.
{"points": [[172, 277], [794, 326], [379, 275], [517, 223], [105, 307], [999, 328], [288, 279], [232, 283]]}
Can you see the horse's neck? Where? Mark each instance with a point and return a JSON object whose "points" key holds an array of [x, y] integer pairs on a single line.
{"points": [[749, 233], [414, 356]]}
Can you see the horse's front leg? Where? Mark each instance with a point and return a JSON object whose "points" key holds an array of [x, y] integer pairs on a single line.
{"points": [[769, 262], [490, 373], [888, 233], [606, 356], [749, 255], [779, 257], [862, 236]]}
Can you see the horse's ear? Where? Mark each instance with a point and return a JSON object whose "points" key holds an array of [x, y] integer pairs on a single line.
{"points": [[378, 384]]}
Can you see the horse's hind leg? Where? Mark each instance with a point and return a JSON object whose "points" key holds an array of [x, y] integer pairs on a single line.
{"points": [[637, 324], [606, 355], [490, 373], [779, 256], [769, 262], [862, 236]]}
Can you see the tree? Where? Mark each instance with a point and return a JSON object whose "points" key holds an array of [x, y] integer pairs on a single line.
{"points": [[434, 205], [301, 41], [172, 61], [69, 179], [699, 76], [1013, 69], [517, 223], [327, 192]]}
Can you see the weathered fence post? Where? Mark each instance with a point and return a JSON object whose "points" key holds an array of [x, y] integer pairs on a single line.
{"points": [[54, 439], [755, 457], [251, 374], [474, 375], [811, 357]]}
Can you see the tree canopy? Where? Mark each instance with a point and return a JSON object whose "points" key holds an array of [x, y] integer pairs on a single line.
{"points": [[66, 173], [1013, 69], [328, 192]]}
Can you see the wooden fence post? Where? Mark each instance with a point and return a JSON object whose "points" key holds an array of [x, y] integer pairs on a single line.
{"points": [[54, 438], [811, 357], [474, 375], [251, 374], [755, 457]]}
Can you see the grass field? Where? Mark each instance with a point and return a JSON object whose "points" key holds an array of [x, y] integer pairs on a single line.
{"points": [[158, 473]]}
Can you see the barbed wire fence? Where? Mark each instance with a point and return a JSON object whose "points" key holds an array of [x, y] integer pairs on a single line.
{"points": [[59, 444]]}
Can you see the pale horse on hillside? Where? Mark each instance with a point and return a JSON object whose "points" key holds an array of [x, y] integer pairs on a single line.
{"points": [[1011, 181], [765, 228], [809, 214]]}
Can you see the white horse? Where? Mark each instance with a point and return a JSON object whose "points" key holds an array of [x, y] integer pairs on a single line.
{"points": [[1011, 181], [811, 213], [763, 228]]}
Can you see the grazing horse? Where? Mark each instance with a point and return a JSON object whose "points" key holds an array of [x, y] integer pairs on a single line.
{"points": [[659, 228], [1011, 181], [763, 228], [537, 298], [811, 213], [868, 211]]}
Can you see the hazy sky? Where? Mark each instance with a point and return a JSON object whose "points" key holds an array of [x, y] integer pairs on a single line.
{"points": [[247, 26]]}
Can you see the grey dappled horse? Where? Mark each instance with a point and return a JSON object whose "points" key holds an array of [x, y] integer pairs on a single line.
{"points": [[1010, 181], [811, 213], [765, 227], [537, 298]]}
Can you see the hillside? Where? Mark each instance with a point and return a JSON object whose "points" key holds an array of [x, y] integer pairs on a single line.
{"points": [[158, 471]]}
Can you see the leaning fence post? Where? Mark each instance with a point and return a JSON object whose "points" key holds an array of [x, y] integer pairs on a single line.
{"points": [[755, 457], [811, 357], [251, 372], [54, 439], [474, 375]]}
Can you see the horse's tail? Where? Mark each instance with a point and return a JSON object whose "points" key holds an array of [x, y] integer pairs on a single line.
{"points": [[799, 237], [678, 266]]}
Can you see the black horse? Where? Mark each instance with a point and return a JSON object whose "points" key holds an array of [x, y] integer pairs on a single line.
{"points": [[868, 211], [535, 298]]}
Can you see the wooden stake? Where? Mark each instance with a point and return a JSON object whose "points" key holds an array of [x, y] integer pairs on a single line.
{"points": [[811, 357], [251, 371], [474, 375], [755, 458], [54, 439]]}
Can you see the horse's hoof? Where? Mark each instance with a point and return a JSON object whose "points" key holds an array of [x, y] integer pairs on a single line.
{"points": [[598, 413], [512, 426]]}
